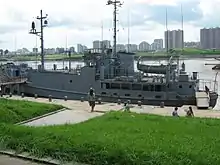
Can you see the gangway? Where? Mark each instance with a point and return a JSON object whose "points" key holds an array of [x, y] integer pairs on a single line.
{"points": [[13, 81], [202, 100]]}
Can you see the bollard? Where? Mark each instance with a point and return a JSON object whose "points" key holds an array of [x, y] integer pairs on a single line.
{"points": [[82, 99], [162, 105], [22, 95], [139, 103], [119, 101], [99, 100], [65, 98], [10, 94], [50, 98], [35, 96]]}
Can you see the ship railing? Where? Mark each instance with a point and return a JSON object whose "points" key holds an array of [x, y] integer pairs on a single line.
{"points": [[211, 84]]}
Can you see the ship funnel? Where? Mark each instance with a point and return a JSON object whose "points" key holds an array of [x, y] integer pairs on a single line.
{"points": [[195, 75]]}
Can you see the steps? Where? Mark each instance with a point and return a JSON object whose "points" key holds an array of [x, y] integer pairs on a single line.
{"points": [[202, 100]]}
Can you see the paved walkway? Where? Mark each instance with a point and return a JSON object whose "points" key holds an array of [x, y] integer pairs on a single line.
{"points": [[7, 160], [80, 111]]}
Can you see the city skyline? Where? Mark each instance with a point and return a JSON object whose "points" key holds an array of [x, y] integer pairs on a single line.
{"points": [[147, 19]]}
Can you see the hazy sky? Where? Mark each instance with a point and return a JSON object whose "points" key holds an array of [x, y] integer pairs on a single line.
{"points": [[81, 20]]}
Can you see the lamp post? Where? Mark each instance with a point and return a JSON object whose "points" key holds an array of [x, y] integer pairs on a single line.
{"points": [[43, 23]]}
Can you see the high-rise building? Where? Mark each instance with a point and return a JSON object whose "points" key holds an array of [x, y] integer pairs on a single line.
{"points": [[106, 44], [131, 48], [80, 48], [158, 44], [144, 46], [210, 38], [174, 39], [99, 44], [120, 47]]}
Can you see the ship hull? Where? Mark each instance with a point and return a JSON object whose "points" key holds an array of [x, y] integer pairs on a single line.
{"points": [[73, 95]]}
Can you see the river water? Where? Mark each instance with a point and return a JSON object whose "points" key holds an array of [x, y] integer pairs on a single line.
{"points": [[192, 65]]}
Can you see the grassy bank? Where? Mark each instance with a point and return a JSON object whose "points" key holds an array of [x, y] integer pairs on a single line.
{"points": [[14, 111], [47, 57], [122, 138], [187, 52]]}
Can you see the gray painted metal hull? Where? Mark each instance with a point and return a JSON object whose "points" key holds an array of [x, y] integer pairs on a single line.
{"points": [[30, 90]]}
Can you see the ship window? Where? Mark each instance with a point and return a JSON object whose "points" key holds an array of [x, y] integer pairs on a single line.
{"points": [[101, 85], [136, 86], [103, 93], [190, 86], [158, 88], [71, 81], [115, 86], [180, 86], [107, 85], [145, 87], [127, 95], [125, 86], [151, 88], [139, 95], [157, 97], [115, 94]]}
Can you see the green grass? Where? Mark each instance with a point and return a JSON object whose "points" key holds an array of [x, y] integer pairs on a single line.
{"points": [[122, 138], [14, 111], [184, 52], [47, 57]]}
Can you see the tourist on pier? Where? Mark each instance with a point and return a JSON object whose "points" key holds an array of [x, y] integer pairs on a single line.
{"points": [[91, 99], [189, 113], [175, 112]]}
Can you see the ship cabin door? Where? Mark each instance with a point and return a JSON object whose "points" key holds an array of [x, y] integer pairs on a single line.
{"points": [[17, 73]]}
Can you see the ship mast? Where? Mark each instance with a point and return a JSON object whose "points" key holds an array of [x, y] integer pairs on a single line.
{"points": [[43, 23], [116, 4]]}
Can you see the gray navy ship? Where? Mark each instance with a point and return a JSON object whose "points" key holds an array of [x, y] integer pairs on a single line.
{"points": [[113, 77]]}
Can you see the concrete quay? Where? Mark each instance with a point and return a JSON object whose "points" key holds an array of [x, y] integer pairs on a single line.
{"points": [[80, 111]]}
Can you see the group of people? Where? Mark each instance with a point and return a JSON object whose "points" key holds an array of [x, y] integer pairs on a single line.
{"points": [[91, 100], [189, 112]]}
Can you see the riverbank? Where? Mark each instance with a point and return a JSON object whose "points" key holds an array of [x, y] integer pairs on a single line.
{"points": [[77, 57], [113, 137], [121, 138]]}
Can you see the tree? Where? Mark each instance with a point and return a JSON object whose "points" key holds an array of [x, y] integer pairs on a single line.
{"points": [[1, 52], [6, 51]]}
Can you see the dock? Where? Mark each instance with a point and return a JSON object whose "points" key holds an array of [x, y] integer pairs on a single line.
{"points": [[202, 100], [78, 111]]}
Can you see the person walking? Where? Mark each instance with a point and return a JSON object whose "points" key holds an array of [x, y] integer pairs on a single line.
{"points": [[91, 99]]}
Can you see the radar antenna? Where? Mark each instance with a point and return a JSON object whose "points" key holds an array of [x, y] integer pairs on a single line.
{"points": [[116, 4]]}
